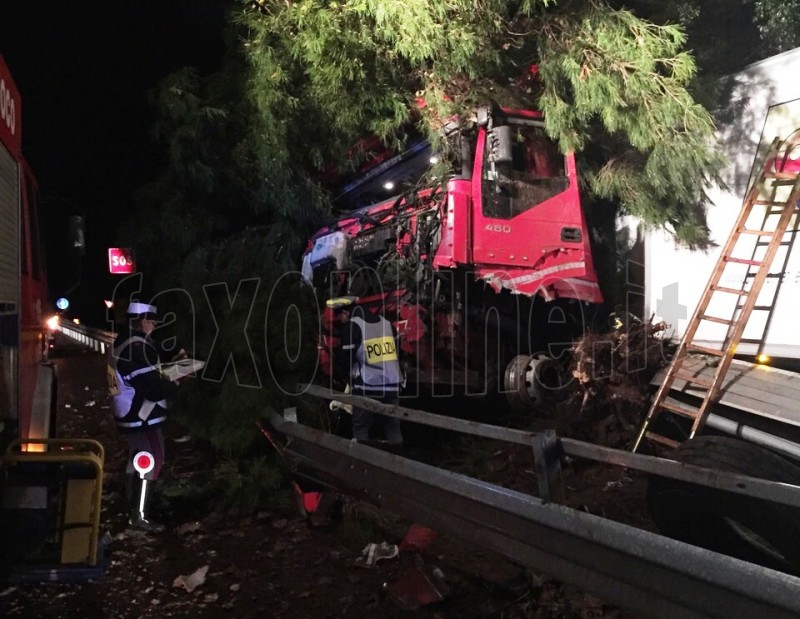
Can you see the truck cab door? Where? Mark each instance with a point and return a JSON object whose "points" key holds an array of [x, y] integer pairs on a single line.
{"points": [[528, 229]]}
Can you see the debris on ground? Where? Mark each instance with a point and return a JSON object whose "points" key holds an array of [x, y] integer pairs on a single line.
{"points": [[417, 538], [612, 372], [418, 586], [278, 562], [372, 553], [192, 581]]}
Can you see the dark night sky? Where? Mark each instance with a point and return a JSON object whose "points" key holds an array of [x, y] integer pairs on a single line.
{"points": [[83, 69]]}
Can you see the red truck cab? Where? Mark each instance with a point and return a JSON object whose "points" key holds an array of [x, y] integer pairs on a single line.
{"points": [[476, 262]]}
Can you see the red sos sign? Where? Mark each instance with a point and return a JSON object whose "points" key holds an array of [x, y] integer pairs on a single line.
{"points": [[121, 260]]}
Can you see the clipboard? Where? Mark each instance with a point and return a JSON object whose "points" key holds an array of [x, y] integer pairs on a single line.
{"points": [[182, 368]]}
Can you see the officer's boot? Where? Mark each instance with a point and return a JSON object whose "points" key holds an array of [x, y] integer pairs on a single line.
{"points": [[137, 519]]}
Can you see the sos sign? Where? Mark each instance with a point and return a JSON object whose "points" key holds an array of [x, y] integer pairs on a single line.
{"points": [[121, 261]]}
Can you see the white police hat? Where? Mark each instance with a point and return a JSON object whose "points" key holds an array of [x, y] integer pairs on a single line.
{"points": [[137, 309]]}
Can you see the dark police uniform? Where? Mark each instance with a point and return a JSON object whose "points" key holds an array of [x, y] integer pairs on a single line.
{"points": [[139, 400]]}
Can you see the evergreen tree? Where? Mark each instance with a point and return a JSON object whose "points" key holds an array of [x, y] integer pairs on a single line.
{"points": [[609, 80], [779, 23], [305, 80]]}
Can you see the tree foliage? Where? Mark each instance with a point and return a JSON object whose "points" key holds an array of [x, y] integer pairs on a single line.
{"points": [[779, 23], [304, 80], [608, 78], [254, 325], [216, 217]]}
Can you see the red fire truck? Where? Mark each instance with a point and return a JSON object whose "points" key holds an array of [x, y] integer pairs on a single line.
{"points": [[50, 488], [481, 260], [23, 300]]}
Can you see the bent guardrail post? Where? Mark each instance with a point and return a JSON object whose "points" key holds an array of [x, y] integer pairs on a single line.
{"points": [[547, 454]]}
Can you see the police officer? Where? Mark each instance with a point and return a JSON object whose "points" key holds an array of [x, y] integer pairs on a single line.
{"points": [[369, 347], [140, 404]]}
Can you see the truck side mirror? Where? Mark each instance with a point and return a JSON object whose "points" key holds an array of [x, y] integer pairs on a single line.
{"points": [[77, 240]]}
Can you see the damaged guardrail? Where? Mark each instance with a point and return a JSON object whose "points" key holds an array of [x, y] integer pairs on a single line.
{"points": [[630, 567], [547, 450]]}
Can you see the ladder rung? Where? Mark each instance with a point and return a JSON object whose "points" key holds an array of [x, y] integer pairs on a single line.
{"points": [[680, 410], [753, 263], [758, 232], [695, 380], [781, 176], [722, 321], [657, 438], [707, 351], [770, 202], [729, 290]]}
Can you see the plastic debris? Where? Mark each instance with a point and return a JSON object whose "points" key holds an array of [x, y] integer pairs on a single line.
{"points": [[414, 588], [336, 405], [372, 553], [418, 538], [193, 580]]}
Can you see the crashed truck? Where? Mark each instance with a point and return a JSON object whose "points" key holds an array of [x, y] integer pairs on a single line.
{"points": [[481, 260], [488, 273]]}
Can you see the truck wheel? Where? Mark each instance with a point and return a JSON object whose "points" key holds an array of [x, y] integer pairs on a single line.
{"points": [[529, 381], [754, 530]]}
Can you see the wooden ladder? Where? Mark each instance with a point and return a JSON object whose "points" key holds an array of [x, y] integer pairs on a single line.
{"points": [[769, 182]]}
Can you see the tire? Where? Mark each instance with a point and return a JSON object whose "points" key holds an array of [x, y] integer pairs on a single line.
{"points": [[751, 529], [530, 381]]}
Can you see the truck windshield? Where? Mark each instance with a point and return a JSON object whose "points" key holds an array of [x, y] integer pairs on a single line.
{"points": [[535, 172]]}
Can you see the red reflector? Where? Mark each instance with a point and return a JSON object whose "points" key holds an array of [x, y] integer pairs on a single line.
{"points": [[143, 462]]}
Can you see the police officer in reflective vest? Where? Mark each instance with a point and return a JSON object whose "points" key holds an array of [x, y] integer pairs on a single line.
{"points": [[140, 404], [369, 347]]}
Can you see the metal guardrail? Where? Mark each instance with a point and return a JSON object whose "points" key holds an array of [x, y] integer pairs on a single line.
{"points": [[755, 487], [630, 567], [97, 339]]}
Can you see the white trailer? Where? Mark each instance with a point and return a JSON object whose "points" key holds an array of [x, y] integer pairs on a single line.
{"points": [[758, 401], [764, 104]]}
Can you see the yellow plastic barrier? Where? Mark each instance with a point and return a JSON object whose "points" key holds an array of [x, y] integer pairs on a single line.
{"points": [[79, 526]]}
